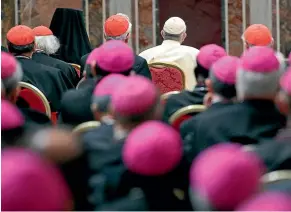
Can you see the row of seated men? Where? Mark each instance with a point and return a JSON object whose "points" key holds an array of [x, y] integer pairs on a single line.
{"points": [[133, 161]]}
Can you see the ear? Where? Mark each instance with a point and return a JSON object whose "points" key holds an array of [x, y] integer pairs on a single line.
{"points": [[209, 86], [12, 97], [132, 73], [282, 104], [127, 38], [93, 68], [163, 33]]}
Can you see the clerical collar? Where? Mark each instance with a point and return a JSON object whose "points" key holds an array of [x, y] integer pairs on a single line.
{"points": [[119, 133], [21, 56], [107, 120], [40, 51]]}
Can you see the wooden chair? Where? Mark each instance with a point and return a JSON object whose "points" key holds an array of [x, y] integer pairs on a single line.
{"points": [[85, 127], [165, 96], [185, 113], [77, 68], [35, 98], [167, 76], [277, 181]]}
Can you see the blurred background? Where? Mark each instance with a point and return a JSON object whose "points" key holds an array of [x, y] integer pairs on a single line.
{"points": [[208, 21]]}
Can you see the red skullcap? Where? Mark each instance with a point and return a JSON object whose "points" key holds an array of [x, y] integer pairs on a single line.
{"points": [[20, 35]]}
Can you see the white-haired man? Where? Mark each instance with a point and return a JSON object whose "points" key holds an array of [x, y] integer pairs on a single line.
{"points": [[46, 44], [118, 27], [171, 50], [254, 118]]}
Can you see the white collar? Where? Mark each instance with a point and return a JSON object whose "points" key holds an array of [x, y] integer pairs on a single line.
{"points": [[171, 42]]}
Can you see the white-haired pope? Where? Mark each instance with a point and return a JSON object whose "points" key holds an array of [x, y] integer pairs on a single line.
{"points": [[172, 50], [47, 44]]}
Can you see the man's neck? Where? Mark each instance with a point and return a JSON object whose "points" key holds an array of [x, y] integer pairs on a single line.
{"points": [[29, 55]]}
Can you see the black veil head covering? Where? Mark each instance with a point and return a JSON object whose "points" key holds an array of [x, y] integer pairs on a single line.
{"points": [[69, 27]]}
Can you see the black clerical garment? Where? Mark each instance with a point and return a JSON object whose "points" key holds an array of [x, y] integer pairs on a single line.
{"points": [[140, 66], [69, 74], [255, 119], [183, 99], [76, 105], [105, 161], [4, 49], [69, 27], [47, 79]]}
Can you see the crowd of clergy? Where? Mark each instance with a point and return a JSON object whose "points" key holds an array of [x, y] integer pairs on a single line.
{"points": [[135, 159]]}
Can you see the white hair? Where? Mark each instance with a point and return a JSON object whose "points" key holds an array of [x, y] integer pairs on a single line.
{"points": [[257, 85], [123, 36], [49, 44]]}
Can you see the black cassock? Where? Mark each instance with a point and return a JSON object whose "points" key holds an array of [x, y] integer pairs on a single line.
{"points": [[183, 99], [253, 120], [47, 79], [105, 159], [69, 74], [76, 105]]}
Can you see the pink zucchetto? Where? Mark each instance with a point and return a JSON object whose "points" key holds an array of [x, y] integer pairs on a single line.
{"points": [[108, 84], [209, 54], [29, 183], [113, 56], [268, 201], [11, 117], [135, 96], [153, 148], [226, 175], [260, 59], [225, 69], [11, 71], [285, 82]]}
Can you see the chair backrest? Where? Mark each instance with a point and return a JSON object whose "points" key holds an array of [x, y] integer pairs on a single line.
{"points": [[80, 82], [167, 77], [35, 98], [77, 68], [165, 96], [185, 113], [85, 127], [276, 176]]}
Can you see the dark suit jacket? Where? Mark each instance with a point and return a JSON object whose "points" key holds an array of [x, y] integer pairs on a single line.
{"points": [[183, 99], [255, 119], [105, 159], [140, 66], [69, 73], [75, 105]]}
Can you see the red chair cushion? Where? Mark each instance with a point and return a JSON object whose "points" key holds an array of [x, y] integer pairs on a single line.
{"points": [[176, 124], [33, 100], [54, 117], [167, 79], [78, 71]]}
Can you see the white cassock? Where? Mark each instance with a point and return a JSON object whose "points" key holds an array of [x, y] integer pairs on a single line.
{"points": [[173, 52]]}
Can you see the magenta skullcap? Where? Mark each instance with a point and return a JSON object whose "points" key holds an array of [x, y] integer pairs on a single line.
{"points": [[209, 54], [285, 81], [92, 56], [11, 71], [267, 201], [225, 69], [135, 96], [11, 117], [29, 183], [108, 84], [226, 175], [113, 56], [153, 148], [260, 59]]}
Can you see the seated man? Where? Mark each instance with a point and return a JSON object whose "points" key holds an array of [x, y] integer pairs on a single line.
{"points": [[255, 116], [118, 27], [21, 43], [171, 50], [206, 57], [112, 57], [102, 97], [46, 44], [11, 75]]}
